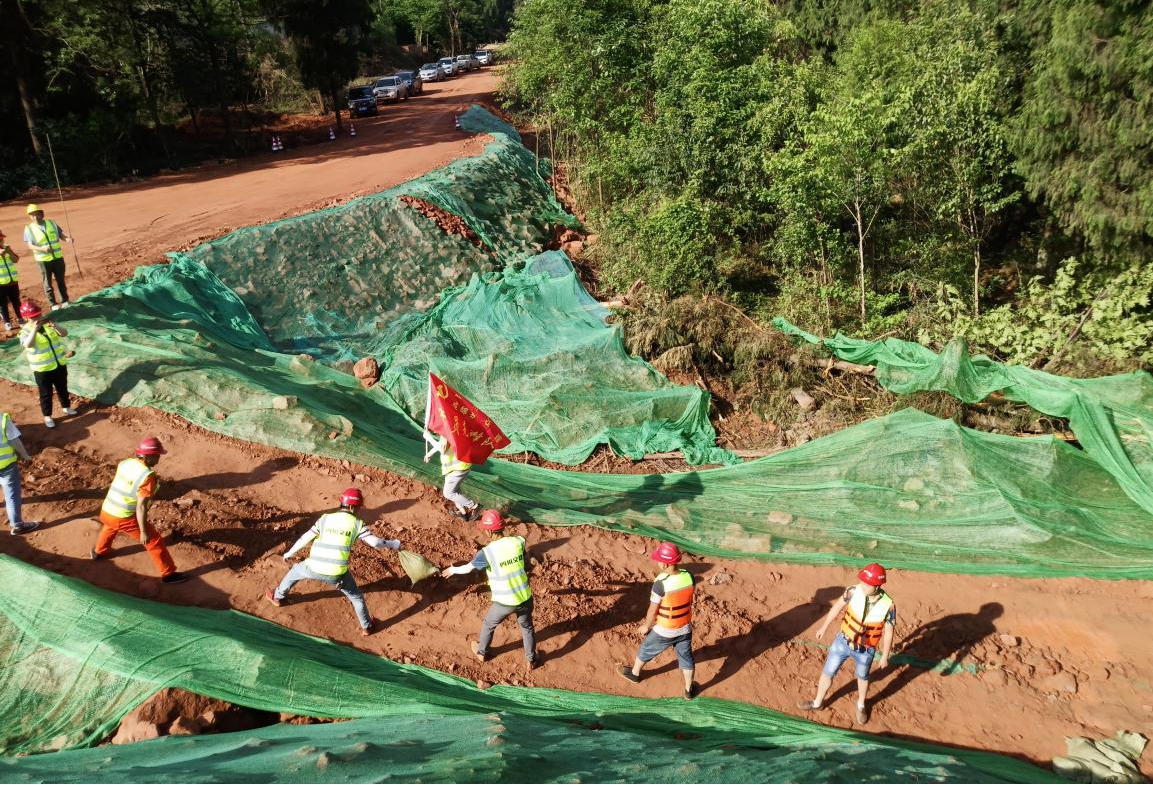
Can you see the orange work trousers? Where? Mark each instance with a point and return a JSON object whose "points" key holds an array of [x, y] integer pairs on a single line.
{"points": [[128, 526]]}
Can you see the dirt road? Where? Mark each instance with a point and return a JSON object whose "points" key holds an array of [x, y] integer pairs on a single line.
{"points": [[1019, 664]]}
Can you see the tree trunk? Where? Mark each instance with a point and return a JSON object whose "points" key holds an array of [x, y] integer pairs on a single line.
{"points": [[977, 280], [13, 37]]}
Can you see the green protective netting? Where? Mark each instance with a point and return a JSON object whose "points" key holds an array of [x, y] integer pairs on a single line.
{"points": [[84, 657], [908, 490], [535, 347], [529, 345], [1111, 416]]}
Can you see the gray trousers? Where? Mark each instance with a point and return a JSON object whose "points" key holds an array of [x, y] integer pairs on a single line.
{"points": [[346, 583], [498, 613], [452, 482]]}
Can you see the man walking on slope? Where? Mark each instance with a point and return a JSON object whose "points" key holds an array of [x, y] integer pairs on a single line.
{"points": [[869, 616], [454, 471], [669, 622], [11, 451], [44, 347], [334, 534], [504, 561], [43, 237], [125, 509]]}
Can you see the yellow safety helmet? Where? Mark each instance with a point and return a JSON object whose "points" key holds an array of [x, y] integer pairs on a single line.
{"points": [[33, 208]]}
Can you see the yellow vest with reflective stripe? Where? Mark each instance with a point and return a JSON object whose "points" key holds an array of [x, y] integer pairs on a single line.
{"points": [[49, 235], [449, 463], [47, 350], [7, 451], [329, 553], [507, 578], [121, 500], [9, 273]]}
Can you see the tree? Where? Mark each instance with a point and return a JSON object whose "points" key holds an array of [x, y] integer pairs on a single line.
{"points": [[326, 36]]}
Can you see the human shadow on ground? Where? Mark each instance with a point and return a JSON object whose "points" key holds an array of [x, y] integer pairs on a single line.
{"points": [[629, 608], [740, 649], [948, 640]]}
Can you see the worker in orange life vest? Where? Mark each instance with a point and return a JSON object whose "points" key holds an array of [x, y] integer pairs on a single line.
{"points": [[869, 616], [669, 622]]}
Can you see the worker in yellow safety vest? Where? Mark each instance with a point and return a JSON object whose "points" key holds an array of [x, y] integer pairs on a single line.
{"points": [[504, 560], [669, 623], [44, 347], [332, 538], [867, 623], [43, 236], [454, 470], [12, 451], [126, 507], [9, 284]]}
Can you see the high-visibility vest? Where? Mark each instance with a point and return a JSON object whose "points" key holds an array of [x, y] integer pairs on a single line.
{"points": [[329, 552], [49, 235], [9, 272], [122, 497], [676, 608], [449, 463], [7, 451], [864, 626], [507, 579], [47, 350]]}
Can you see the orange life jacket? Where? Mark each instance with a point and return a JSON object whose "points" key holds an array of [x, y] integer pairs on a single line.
{"points": [[676, 608], [862, 625]]}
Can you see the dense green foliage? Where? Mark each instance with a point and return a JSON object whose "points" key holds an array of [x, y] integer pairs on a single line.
{"points": [[915, 168], [125, 87]]}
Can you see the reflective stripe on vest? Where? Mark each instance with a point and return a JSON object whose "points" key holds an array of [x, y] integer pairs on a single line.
{"points": [[449, 463], [7, 451], [122, 497], [9, 273], [864, 627], [507, 579], [329, 552], [676, 608], [49, 235], [47, 350]]}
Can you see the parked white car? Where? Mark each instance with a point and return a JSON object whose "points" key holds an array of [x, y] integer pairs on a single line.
{"points": [[483, 56], [449, 65], [431, 72]]}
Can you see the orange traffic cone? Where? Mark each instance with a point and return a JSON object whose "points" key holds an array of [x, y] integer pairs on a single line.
{"points": [[331, 134], [351, 129]]}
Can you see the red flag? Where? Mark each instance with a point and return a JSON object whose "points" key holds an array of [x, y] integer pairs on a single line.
{"points": [[470, 432]]}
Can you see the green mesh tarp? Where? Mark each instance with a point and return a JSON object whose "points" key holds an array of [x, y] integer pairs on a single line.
{"points": [[76, 659], [908, 490], [529, 346], [1111, 416]]}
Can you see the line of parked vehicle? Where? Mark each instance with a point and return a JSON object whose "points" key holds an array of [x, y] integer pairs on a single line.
{"points": [[366, 99]]}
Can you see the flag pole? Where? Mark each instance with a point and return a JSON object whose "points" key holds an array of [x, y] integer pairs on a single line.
{"points": [[60, 193]]}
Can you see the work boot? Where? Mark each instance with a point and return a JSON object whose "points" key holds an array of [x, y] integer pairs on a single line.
{"points": [[475, 647], [25, 527], [628, 675], [174, 577]]}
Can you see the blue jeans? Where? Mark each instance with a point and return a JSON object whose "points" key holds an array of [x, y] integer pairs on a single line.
{"points": [[654, 644], [346, 583], [841, 651], [10, 481]]}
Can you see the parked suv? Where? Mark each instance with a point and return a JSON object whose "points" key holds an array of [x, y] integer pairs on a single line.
{"points": [[412, 81], [390, 89], [431, 72], [449, 66], [467, 62], [361, 101], [483, 56]]}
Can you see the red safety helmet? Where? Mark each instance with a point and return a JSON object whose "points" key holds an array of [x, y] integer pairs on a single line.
{"points": [[150, 445], [873, 574], [351, 497], [667, 553], [491, 521], [30, 310]]}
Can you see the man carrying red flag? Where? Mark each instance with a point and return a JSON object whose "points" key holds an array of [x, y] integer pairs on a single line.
{"points": [[463, 435]]}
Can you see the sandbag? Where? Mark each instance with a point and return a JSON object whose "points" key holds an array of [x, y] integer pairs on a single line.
{"points": [[416, 566]]}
